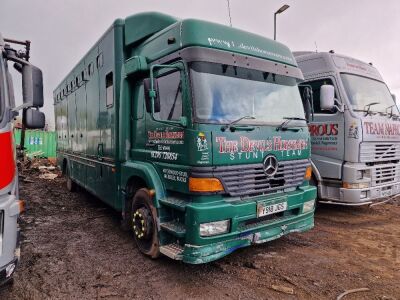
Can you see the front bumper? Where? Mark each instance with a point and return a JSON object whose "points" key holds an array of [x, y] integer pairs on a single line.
{"points": [[358, 197], [383, 181], [202, 254], [246, 227]]}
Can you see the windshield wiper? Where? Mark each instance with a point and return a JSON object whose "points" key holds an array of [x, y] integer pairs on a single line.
{"points": [[368, 107], [284, 124], [228, 126], [391, 115]]}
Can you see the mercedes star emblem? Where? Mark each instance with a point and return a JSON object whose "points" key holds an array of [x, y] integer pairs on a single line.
{"points": [[270, 165]]}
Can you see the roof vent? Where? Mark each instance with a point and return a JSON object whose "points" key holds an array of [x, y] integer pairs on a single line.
{"points": [[331, 51]]}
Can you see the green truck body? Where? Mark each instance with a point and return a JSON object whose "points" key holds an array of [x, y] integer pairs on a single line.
{"points": [[188, 183]]}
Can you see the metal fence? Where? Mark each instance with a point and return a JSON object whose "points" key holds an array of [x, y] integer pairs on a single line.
{"points": [[38, 143]]}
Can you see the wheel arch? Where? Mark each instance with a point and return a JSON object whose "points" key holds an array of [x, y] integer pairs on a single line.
{"points": [[315, 172], [316, 175], [139, 175]]}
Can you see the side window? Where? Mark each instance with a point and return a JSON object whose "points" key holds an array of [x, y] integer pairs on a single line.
{"points": [[170, 92], [90, 69], [99, 60], [316, 85], [109, 89]]}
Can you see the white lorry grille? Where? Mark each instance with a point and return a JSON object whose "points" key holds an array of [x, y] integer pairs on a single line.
{"points": [[372, 152], [385, 173]]}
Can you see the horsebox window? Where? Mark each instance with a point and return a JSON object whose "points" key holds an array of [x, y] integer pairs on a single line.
{"points": [[90, 69], [109, 89], [99, 60]]}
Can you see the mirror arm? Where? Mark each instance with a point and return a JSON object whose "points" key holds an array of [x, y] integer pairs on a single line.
{"points": [[18, 60], [339, 106], [23, 106]]}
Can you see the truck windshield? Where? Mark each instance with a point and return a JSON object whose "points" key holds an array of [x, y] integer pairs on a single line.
{"points": [[362, 91], [224, 93]]}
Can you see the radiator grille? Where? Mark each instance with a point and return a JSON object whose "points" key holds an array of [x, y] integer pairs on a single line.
{"points": [[384, 174], [370, 152], [250, 180]]}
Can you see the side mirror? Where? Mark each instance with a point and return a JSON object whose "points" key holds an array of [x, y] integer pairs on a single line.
{"points": [[394, 98], [32, 86], [151, 97], [327, 97], [33, 119]]}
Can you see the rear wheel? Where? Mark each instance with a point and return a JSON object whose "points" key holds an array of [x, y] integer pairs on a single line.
{"points": [[71, 185], [144, 224]]}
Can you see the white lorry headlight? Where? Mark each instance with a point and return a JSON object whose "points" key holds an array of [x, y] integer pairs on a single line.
{"points": [[214, 228], [360, 185], [308, 206], [361, 174]]}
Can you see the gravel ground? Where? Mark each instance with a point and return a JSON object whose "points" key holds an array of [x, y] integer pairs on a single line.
{"points": [[73, 248]]}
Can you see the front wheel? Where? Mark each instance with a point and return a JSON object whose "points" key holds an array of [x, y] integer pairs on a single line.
{"points": [[144, 224]]}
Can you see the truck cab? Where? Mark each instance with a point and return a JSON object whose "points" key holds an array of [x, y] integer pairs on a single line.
{"points": [[10, 204], [195, 131], [355, 138]]}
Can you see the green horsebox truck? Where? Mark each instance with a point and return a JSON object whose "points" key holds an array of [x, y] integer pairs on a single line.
{"points": [[195, 131]]}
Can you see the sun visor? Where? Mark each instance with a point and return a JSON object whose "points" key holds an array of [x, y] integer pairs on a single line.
{"points": [[250, 62]]}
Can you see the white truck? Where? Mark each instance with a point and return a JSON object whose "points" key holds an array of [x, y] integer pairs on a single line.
{"points": [[355, 131]]}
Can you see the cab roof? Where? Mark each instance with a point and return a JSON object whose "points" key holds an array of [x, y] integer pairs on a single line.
{"points": [[313, 63]]}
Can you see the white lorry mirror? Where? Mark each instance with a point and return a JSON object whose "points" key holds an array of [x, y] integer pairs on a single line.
{"points": [[327, 97]]}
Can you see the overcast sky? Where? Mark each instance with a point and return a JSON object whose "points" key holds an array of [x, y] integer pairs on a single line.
{"points": [[63, 31]]}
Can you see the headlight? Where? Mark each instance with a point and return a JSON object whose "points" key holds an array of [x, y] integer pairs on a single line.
{"points": [[361, 174], [361, 185], [214, 228], [308, 206]]}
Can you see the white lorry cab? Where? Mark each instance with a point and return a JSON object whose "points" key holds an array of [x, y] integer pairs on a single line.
{"points": [[355, 130]]}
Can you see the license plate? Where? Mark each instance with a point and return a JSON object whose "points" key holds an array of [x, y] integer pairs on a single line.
{"points": [[264, 210], [386, 193]]}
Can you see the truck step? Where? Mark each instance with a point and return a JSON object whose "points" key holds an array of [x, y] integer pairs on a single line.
{"points": [[174, 203], [173, 251], [174, 227]]}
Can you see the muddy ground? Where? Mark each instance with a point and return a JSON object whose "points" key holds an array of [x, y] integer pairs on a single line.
{"points": [[73, 248]]}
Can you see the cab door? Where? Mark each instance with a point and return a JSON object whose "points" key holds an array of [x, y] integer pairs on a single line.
{"points": [[327, 133], [165, 135]]}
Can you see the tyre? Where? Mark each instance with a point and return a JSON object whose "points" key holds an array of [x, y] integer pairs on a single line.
{"points": [[71, 185], [144, 224]]}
